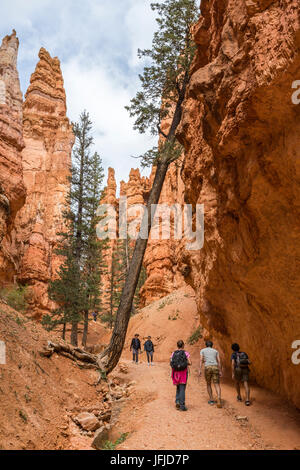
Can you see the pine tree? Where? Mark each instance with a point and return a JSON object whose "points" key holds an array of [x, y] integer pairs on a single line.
{"points": [[164, 83], [77, 287], [66, 290], [92, 253]]}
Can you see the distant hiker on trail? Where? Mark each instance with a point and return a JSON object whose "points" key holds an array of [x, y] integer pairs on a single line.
{"points": [[180, 360], [240, 371], [135, 347], [149, 348], [213, 371], [95, 315]]}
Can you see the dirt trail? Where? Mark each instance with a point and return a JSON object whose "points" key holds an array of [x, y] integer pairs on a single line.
{"points": [[150, 415], [36, 404], [153, 422]]}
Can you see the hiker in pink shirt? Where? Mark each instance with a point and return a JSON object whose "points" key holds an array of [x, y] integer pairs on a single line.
{"points": [[180, 360]]}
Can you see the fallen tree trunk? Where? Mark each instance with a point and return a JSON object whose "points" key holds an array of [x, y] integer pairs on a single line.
{"points": [[82, 358]]}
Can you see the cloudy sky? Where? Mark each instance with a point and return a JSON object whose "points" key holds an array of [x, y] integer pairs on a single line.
{"points": [[96, 42]]}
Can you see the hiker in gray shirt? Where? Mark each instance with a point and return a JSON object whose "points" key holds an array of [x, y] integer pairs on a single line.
{"points": [[212, 364]]}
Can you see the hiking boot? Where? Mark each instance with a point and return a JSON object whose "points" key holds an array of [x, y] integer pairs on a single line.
{"points": [[211, 402], [219, 403], [239, 398], [247, 403], [183, 408], [177, 406]]}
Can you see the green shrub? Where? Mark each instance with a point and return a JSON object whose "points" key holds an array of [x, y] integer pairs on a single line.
{"points": [[19, 321], [166, 301], [109, 445], [195, 336], [16, 297], [27, 398], [23, 415], [175, 316]]}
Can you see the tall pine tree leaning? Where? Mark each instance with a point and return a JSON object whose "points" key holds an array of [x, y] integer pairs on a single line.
{"points": [[164, 83]]}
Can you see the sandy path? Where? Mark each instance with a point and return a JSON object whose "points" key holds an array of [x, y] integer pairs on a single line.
{"points": [[149, 415], [153, 422]]}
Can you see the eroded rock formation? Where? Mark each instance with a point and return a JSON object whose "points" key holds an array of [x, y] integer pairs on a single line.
{"points": [[241, 134], [46, 164], [160, 259], [134, 193], [109, 197], [12, 189]]}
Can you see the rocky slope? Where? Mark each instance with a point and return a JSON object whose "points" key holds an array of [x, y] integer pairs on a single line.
{"points": [[46, 161], [12, 189], [51, 403], [241, 134]]}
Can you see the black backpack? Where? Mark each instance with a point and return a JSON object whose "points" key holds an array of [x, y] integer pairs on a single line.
{"points": [[242, 360], [179, 360]]}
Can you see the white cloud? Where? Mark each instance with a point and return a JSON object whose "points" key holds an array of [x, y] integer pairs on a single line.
{"points": [[96, 42], [140, 23], [94, 89]]}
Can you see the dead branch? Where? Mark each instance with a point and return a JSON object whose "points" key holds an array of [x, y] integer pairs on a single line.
{"points": [[69, 351], [81, 358]]}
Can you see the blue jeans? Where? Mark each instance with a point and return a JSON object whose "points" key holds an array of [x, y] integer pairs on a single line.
{"points": [[135, 355], [180, 395], [149, 355]]}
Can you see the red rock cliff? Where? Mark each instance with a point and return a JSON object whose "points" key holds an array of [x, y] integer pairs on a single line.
{"points": [[134, 190], [161, 256], [160, 260], [12, 189], [109, 197], [241, 134], [46, 164]]}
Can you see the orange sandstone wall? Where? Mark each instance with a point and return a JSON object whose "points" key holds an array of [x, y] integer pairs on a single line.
{"points": [[12, 189], [46, 162], [135, 190], [241, 134], [109, 197], [160, 259]]}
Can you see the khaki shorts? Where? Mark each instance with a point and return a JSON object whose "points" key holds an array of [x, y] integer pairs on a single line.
{"points": [[241, 375], [212, 373]]}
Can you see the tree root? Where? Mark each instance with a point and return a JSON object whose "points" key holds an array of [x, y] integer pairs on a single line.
{"points": [[74, 353], [81, 358]]}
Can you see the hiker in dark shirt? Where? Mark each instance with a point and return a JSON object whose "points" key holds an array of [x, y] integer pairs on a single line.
{"points": [[135, 347], [240, 371], [95, 315], [180, 360], [149, 348]]}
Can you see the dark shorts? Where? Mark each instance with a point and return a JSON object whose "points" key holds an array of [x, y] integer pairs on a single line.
{"points": [[212, 373], [241, 375]]}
